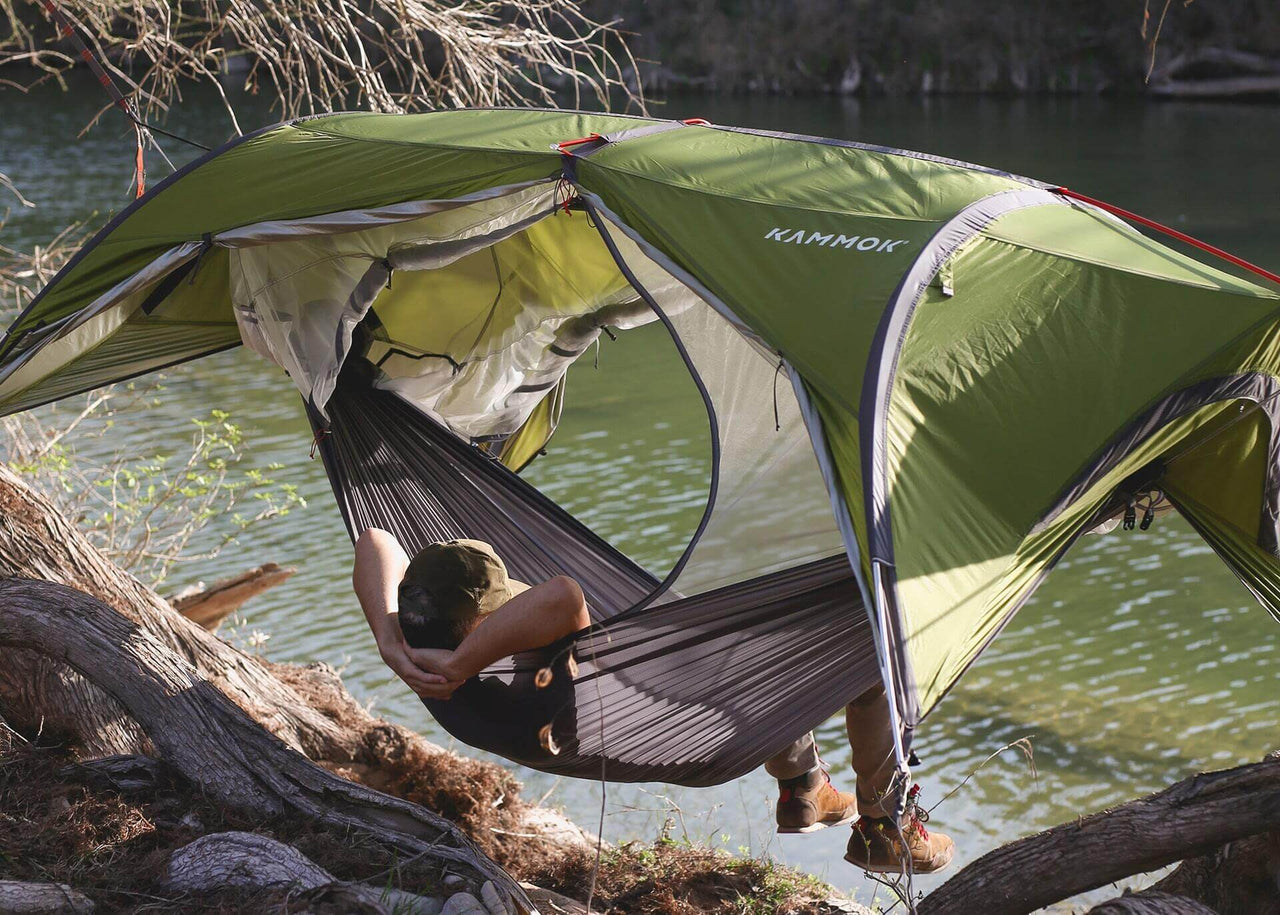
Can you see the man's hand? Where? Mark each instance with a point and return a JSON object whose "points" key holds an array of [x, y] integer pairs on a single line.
{"points": [[439, 662], [427, 684]]}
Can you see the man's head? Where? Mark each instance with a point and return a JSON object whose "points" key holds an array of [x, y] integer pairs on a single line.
{"points": [[448, 589]]}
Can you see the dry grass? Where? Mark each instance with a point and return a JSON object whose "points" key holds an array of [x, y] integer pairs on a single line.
{"points": [[24, 273], [673, 878]]}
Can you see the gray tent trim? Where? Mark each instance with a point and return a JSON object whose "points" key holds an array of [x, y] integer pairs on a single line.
{"points": [[877, 387]]}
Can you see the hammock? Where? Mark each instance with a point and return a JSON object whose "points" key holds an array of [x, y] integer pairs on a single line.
{"points": [[694, 691]]}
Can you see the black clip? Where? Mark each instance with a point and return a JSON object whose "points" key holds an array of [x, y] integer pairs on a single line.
{"points": [[1149, 515], [1130, 515]]}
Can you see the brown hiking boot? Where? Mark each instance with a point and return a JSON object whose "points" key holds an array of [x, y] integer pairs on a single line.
{"points": [[877, 844], [809, 803]]}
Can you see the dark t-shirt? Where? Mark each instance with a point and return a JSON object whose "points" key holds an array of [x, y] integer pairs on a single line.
{"points": [[506, 714]]}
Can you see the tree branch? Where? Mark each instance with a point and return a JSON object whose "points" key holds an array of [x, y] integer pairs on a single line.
{"points": [[1190, 818]]}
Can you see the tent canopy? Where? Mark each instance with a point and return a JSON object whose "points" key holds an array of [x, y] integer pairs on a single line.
{"points": [[976, 369]]}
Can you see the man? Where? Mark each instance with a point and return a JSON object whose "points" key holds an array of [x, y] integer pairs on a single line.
{"points": [[451, 612], [444, 617]]}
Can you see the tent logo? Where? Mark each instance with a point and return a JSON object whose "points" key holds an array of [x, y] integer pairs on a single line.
{"points": [[832, 240]]}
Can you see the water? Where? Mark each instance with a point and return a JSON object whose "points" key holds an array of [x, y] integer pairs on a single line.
{"points": [[1140, 661]]}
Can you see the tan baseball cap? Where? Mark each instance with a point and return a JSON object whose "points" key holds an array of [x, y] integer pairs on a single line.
{"points": [[462, 577]]}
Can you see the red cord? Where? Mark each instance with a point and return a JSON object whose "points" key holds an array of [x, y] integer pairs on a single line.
{"points": [[1181, 236], [569, 144], [140, 164]]}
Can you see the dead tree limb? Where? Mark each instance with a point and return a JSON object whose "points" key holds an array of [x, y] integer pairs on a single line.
{"points": [[1193, 817], [208, 607], [208, 738]]}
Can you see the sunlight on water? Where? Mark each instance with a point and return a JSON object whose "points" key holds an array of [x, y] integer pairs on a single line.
{"points": [[1140, 661]]}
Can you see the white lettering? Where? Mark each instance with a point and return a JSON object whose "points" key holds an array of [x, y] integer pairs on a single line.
{"points": [[791, 236]]}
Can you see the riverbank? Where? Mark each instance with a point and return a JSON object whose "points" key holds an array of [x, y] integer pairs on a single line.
{"points": [[113, 839]]}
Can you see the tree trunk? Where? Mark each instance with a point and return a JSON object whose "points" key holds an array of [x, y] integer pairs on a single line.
{"points": [[18, 898], [1193, 817], [37, 542], [211, 740], [1149, 902]]}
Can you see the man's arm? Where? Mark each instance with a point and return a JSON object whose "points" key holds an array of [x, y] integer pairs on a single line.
{"points": [[380, 566], [538, 617]]}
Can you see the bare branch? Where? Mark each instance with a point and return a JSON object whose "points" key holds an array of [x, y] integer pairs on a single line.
{"points": [[320, 55]]}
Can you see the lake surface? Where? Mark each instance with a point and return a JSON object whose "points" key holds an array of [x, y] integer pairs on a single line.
{"points": [[1139, 662]]}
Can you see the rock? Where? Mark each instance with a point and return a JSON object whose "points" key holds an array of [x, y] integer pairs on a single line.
{"points": [[20, 898], [492, 901], [358, 899], [553, 827], [463, 904]]}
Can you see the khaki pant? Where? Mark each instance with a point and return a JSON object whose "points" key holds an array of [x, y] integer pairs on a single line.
{"points": [[866, 720]]}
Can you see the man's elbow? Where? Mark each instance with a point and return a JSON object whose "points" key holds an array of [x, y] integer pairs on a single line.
{"points": [[571, 602]]}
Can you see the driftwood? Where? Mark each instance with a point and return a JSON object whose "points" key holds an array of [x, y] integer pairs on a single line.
{"points": [[208, 738], [19, 898], [1193, 817], [208, 607], [305, 706], [1237, 73]]}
